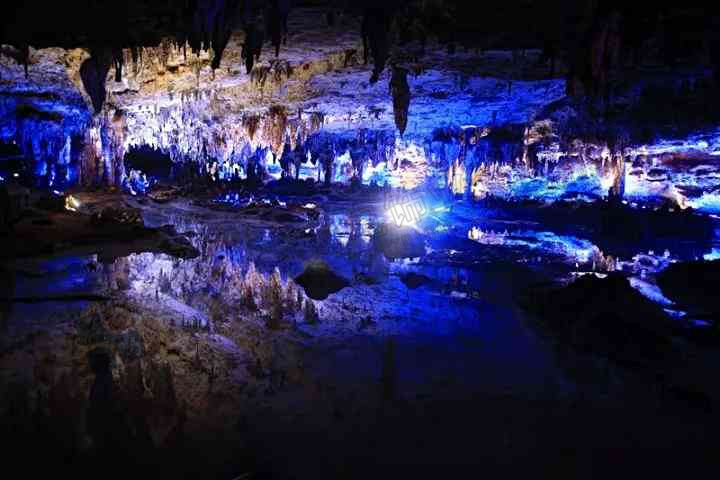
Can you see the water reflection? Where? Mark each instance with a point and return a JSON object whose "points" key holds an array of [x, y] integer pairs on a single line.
{"points": [[573, 249], [459, 253], [345, 227], [586, 257]]}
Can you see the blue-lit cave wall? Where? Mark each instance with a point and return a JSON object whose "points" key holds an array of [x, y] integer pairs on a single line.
{"points": [[48, 132], [62, 144]]}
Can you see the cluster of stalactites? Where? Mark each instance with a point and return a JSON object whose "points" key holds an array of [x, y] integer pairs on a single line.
{"points": [[48, 139], [365, 148], [520, 162], [260, 144], [52, 151], [62, 154], [186, 134], [335, 158], [207, 24]]}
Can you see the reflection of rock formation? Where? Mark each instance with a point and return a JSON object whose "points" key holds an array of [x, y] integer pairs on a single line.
{"points": [[319, 281], [118, 274], [105, 423], [609, 319], [388, 375], [401, 97], [117, 385], [7, 292]]}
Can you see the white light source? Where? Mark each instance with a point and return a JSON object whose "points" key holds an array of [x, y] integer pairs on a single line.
{"points": [[71, 203]]}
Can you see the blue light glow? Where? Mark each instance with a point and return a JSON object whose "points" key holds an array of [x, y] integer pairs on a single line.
{"points": [[137, 183]]}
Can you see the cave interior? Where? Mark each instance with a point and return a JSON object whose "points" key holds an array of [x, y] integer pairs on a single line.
{"points": [[289, 239]]}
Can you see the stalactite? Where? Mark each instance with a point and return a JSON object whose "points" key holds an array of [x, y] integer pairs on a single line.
{"points": [[251, 124], [375, 29], [93, 73], [401, 97], [115, 131], [222, 29], [19, 53], [317, 120], [274, 22], [275, 129], [293, 133], [118, 64], [252, 46], [100, 160]]}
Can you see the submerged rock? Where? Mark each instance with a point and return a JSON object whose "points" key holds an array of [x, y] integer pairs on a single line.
{"points": [[607, 317], [414, 280], [319, 281]]}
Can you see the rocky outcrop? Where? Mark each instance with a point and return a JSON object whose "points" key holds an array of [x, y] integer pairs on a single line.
{"points": [[319, 281]]}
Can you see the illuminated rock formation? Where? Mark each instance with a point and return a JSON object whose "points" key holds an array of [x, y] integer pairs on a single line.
{"points": [[310, 112]]}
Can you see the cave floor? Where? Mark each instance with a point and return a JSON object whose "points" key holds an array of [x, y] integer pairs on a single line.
{"points": [[421, 366]]}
